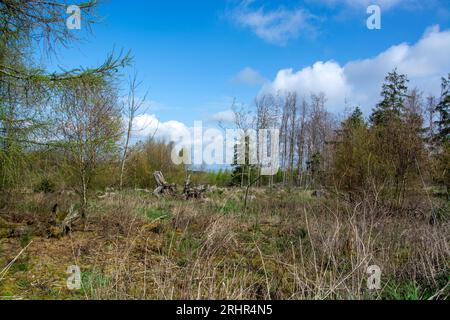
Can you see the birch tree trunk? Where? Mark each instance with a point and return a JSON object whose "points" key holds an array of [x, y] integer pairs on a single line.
{"points": [[132, 108]]}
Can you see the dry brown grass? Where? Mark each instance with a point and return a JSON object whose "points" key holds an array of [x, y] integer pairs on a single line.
{"points": [[286, 246]]}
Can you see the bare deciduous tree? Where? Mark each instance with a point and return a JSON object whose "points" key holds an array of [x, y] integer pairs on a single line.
{"points": [[132, 108], [242, 121], [88, 124]]}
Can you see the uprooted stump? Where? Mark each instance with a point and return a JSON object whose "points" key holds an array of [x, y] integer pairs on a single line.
{"points": [[190, 192], [69, 220], [163, 188]]}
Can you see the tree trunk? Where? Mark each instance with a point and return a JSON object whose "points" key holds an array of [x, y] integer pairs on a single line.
{"points": [[125, 151], [83, 196]]}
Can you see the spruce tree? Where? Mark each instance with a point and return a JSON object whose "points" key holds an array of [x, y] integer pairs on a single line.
{"points": [[394, 92], [442, 156], [443, 109]]}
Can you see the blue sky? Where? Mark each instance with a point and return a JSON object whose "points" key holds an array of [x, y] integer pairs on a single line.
{"points": [[196, 56]]}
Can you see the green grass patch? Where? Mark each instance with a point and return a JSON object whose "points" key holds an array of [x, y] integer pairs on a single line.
{"points": [[25, 238], [409, 290], [155, 213], [93, 281], [21, 265], [230, 206]]}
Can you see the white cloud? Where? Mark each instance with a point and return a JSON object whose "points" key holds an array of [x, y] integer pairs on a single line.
{"points": [[147, 125], [274, 26], [359, 82], [280, 25], [224, 116], [195, 139], [249, 76], [424, 62], [385, 4], [327, 77]]}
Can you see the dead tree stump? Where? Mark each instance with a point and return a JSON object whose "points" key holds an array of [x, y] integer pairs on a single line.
{"points": [[70, 219], [190, 192], [163, 188]]}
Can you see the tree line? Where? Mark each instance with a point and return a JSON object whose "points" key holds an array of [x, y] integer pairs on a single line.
{"points": [[403, 145]]}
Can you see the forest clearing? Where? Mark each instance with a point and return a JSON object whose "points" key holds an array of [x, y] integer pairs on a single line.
{"points": [[334, 186], [287, 245]]}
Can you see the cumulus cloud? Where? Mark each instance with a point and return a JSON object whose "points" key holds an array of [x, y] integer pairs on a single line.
{"points": [[424, 62], [274, 26], [147, 125], [195, 140], [226, 116], [249, 76], [359, 82], [327, 77]]}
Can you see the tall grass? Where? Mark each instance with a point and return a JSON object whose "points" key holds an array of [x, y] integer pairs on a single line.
{"points": [[287, 245]]}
